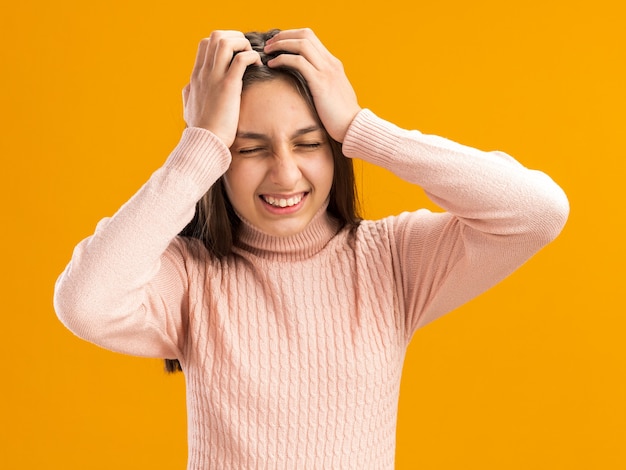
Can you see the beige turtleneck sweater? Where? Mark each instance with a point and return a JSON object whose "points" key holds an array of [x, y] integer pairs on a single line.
{"points": [[293, 347]]}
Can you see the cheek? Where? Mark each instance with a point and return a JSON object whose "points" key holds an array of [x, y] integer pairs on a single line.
{"points": [[322, 171], [232, 185], [235, 176]]}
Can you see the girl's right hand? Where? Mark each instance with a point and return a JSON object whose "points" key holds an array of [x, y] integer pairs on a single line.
{"points": [[212, 98]]}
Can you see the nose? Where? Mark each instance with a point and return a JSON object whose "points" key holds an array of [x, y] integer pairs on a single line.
{"points": [[285, 171]]}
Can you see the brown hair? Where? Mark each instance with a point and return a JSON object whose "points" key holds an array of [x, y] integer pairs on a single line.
{"points": [[215, 222]]}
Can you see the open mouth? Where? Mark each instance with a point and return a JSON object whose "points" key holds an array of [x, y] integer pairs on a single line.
{"points": [[283, 202]]}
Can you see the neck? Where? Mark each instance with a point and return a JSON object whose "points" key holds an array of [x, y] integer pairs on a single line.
{"points": [[301, 245]]}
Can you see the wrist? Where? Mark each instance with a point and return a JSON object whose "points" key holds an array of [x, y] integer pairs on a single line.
{"points": [[200, 155]]}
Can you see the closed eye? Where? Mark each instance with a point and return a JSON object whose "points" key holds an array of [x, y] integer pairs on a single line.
{"points": [[312, 145], [250, 151]]}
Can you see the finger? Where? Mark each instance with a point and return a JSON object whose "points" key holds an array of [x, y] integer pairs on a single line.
{"points": [[206, 49], [186, 95], [243, 60], [306, 50], [296, 46], [298, 62], [200, 55], [313, 50], [306, 35], [226, 48], [302, 33]]}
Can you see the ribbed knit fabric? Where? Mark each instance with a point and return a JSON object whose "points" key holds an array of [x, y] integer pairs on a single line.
{"points": [[293, 347]]}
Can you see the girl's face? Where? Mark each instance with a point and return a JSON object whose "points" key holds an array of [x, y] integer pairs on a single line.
{"points": [[282, 167]]}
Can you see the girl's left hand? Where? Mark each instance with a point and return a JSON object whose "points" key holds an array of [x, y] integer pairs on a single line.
{"points": [[333, 95]]}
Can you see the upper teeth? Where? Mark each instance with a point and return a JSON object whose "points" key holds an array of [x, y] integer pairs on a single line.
{"points": [[282, 202]]}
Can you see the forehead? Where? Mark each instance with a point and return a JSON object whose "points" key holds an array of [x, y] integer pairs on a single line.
{"points": [[275, 103]]}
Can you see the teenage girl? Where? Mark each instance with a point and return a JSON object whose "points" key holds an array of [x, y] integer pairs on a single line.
{"points": [[243, 261]]}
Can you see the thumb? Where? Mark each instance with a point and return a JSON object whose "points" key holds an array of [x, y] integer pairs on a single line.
{"points": [[185, 95]]}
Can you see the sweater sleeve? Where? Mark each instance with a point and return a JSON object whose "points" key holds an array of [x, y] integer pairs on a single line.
{"points": [[497, 215], [125, 286]]}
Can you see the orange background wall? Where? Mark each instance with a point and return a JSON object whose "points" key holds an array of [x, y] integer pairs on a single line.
{"points": [[531, 375]]}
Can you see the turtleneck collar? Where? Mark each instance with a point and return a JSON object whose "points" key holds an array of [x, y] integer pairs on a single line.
{"points": [[300, 246]]}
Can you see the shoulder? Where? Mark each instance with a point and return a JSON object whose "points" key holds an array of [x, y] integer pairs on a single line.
{"points": [[407, 230]]}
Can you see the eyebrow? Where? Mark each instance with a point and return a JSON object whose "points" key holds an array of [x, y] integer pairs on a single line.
{"points": [[297, 133]]}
